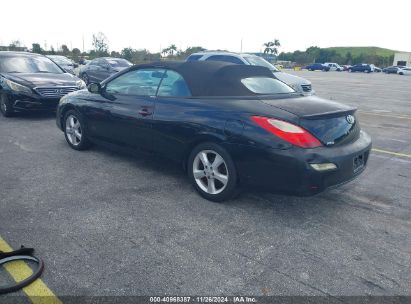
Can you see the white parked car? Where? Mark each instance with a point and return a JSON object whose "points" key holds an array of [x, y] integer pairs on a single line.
{"points": [[299, 84], [404, 71], [334, 66]]}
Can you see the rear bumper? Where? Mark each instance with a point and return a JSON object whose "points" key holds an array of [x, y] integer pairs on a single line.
{"points": [[290, 170]]}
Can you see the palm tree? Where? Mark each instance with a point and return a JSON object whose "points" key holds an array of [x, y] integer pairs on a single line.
{"points": [[165, 51], [271, 47], [171, 49]]}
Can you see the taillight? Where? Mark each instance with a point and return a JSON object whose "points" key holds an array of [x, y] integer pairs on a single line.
{"points": [[287, 131]]}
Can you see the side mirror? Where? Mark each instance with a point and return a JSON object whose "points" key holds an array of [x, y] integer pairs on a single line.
{"points": [[94, 88]]}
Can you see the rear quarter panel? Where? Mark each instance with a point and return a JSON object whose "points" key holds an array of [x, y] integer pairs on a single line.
{"points": [[180, 124]]}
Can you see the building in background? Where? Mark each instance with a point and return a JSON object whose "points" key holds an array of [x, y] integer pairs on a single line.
{"points": [[403, 58]]}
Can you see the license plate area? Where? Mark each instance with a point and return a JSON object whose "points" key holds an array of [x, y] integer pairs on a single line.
{"points": [[358, 162]]}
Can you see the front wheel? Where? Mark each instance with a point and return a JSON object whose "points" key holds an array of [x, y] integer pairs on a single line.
{"points": [[6, 107], [212, 172], [74, 130]]}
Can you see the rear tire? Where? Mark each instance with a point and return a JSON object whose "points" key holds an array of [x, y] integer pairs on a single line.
{"points": [[212, 172], [75, 131], [6, 107]]}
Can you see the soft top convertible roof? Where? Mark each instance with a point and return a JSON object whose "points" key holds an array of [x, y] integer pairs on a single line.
{"points": [[213, 78]]}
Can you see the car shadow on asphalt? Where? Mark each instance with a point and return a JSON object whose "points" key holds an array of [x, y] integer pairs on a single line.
{"points": [[253, 200], [144, 161], [34, 115], [288, 206]]}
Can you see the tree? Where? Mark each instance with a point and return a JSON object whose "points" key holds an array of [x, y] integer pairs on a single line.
{"points": [[65, 50], [76, 54], [15, 45], [128, 53], [271, 47], [36, 48], [115, 54], [312, 53], [348, 58], [191, 50], [170, 50], [165, 51], [100, 44]]}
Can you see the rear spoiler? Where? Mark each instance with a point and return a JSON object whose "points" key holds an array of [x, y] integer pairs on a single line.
{"points": [[330, 114]]}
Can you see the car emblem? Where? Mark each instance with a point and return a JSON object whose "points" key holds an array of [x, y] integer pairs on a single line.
{"points": [[350, 119]]}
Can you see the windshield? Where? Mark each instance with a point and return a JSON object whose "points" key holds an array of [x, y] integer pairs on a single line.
{"points": [[119, 63], [255, 60], [266, 86], [28, 64], [60, 60]]}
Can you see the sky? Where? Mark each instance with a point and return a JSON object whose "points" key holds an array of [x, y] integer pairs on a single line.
{"points": [[212, 24]]}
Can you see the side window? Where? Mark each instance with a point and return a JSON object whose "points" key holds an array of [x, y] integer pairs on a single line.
{"points": [[225, 58], [173, 85], [216, 58], [142, 82], [233, 59], [194, 57]]}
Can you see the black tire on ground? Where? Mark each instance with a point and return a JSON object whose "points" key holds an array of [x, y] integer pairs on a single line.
{"points": [[6, 107], [230, 190], [81, 144]]}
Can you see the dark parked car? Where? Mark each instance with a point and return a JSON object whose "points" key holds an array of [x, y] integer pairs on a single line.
{"points": [[67, 64], [101, 68], [392, 69], [362, 67], [31, 81], [317, 67], [226, 124]]}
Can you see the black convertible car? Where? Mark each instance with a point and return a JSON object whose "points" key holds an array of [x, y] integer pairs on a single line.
{"points": [[227, 124]]}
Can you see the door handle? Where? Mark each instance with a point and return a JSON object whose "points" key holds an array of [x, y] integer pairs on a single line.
{"points": [[144, 112]]}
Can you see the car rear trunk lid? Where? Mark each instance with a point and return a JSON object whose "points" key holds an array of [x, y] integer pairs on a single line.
{"points": [[332, 123]]}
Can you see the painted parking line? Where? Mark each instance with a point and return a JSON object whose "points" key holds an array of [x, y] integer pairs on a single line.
{"points": [[391, 153], [38, 292]]}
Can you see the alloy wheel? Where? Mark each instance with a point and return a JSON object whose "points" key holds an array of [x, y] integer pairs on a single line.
{"points": [[210, 172], [73, 130]]}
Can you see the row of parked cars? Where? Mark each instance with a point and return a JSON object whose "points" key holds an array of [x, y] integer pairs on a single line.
{"points": [[37, 82], [361, 67], [396, 69], [229, 125]]}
